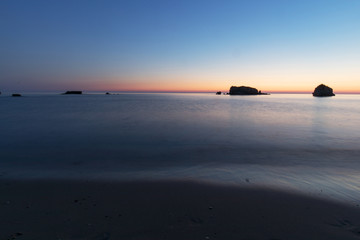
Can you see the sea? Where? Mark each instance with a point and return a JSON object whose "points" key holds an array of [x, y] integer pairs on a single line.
{"points": [[292, 142]]}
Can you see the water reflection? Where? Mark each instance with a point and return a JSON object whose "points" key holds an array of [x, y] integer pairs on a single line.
{"points": [[289, 141]]}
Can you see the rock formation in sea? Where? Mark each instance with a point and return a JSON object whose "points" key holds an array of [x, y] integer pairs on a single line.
{"points": [[218, 93], [73, 92], [243, 90], [323, 91], [16, 95]]}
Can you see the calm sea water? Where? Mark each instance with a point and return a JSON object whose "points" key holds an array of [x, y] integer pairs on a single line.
{"points": [[294, 142]]}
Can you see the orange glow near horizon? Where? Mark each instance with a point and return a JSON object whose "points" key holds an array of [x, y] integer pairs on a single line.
{"points": [[130, 88], [214, 84], [200, 82]]}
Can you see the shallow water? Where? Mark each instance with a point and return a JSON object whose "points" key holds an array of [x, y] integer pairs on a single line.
{"points": [[295, 142]]}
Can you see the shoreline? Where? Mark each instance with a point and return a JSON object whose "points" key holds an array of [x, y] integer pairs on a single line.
{"points": [[100, 210]]}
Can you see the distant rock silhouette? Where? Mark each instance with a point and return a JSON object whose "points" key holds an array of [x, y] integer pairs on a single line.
{"points": [[323, 91], [73, 92], [16, 95], [107, 93], [243, 90], [218, 93]]}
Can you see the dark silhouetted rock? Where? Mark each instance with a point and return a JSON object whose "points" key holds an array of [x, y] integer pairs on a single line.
{"points": [[107, 93], [16, 95], [218, 93], [73, 92], [323, 91], [243, 91]]}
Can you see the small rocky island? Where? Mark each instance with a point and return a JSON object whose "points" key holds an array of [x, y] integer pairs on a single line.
{"points": [[243, 90], [323, 91], [73, 92]]}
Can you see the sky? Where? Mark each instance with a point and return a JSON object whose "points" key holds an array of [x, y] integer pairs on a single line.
{"points": [[158, 45]]}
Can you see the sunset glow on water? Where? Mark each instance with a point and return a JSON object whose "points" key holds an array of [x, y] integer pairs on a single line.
{"points": [[289, 141]]}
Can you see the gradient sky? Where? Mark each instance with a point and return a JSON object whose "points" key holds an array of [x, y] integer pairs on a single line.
{"points": [[158, 45]]}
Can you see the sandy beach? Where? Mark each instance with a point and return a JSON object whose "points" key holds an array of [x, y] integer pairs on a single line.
{"points": [[54, 209]]}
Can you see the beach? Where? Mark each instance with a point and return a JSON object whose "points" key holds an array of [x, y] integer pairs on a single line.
{"points": [[179, 120], [179, 166], [100, 210]]}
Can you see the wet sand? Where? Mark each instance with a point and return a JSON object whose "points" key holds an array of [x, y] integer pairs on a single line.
{"points": [[55, 209]]}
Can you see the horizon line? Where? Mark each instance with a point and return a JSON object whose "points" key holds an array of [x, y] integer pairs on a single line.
{"points": [[169, 91]]}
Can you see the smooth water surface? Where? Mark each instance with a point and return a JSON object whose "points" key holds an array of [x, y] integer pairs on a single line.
{"points": [[293, 141]]}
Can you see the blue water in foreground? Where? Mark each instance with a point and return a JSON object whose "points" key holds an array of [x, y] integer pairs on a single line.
{"points": [[292, 142]]}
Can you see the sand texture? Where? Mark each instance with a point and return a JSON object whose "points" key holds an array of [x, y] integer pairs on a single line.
{"points": [[166, 210]]}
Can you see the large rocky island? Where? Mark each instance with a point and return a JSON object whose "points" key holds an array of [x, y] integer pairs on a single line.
{"points": [[243, 90], [72, 92], [323, 91]]}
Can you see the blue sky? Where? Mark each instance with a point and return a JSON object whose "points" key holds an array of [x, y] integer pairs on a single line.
{"points": [[179, 45]]}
